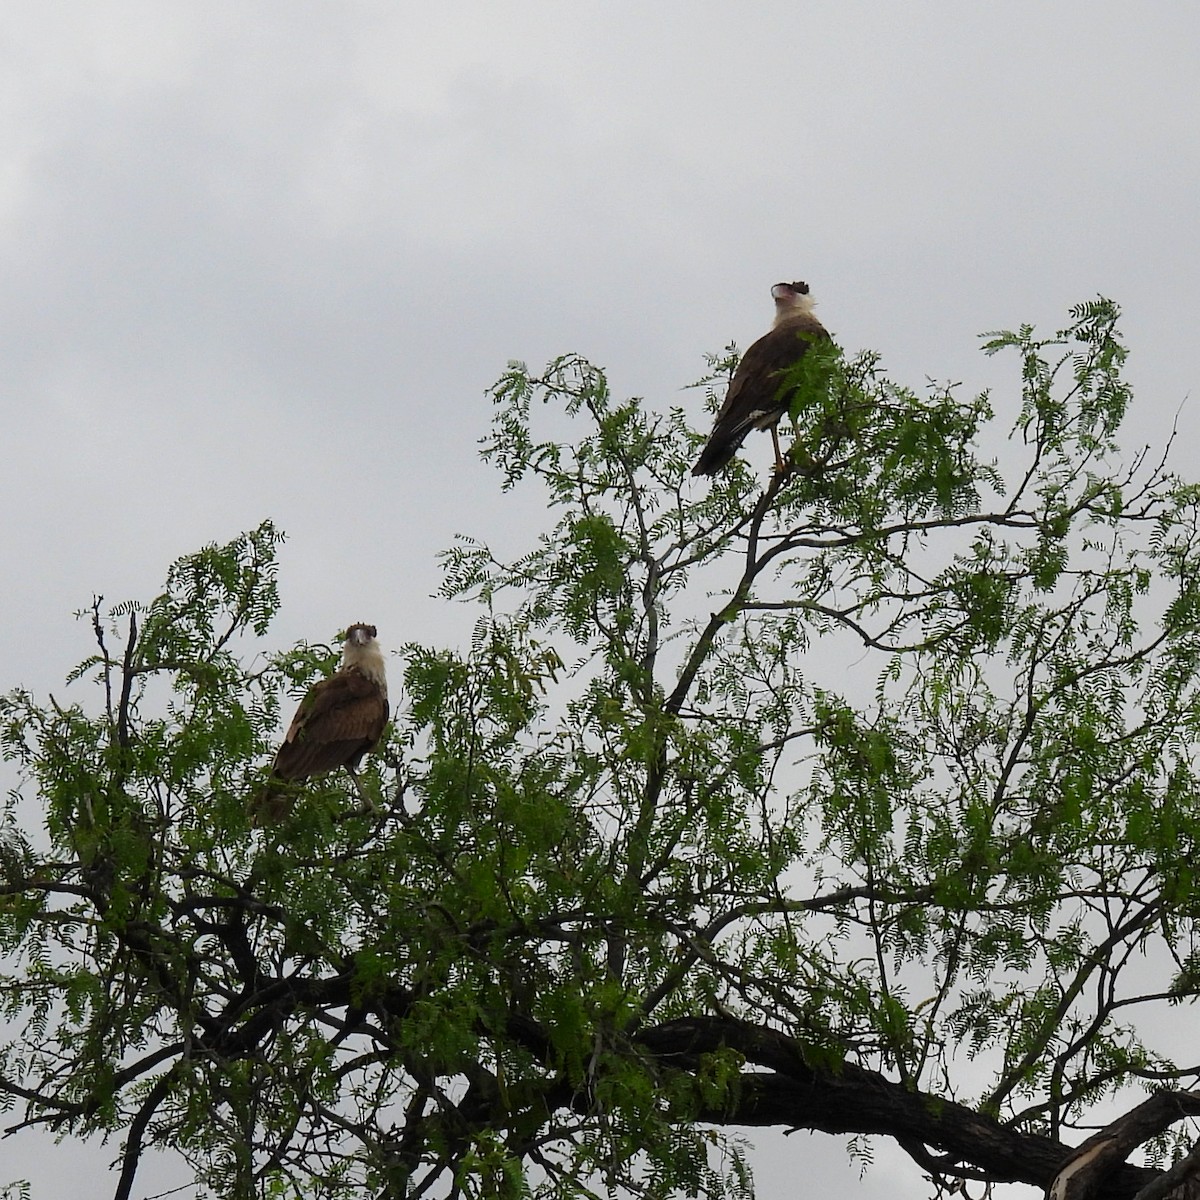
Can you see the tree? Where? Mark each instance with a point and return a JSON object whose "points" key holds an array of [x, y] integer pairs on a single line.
{"points": [[863, 802]]}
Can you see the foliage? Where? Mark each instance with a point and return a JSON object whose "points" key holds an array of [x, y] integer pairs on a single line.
{"points": [[879, 780]]}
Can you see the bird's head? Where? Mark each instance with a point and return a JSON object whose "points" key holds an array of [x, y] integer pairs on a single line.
{"points": [[791, 300], [362, 652]]}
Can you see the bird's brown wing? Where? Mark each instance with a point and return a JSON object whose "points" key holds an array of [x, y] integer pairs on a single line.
{"points": [[339, 720], [754, 399]]}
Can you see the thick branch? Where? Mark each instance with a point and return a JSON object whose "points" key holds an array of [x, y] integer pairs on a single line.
{"points": [[848, 1099], [1089, 1167], [137, 1131]]}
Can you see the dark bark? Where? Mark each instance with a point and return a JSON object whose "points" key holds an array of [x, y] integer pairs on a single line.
{"points": [[941, 1135], [1084, 1175]]}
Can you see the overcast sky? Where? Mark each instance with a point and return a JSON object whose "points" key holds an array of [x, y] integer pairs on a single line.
{"points": [[264, 260]]}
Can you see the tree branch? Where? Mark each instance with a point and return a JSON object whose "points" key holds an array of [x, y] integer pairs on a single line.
{"points": [[847, 1099]]}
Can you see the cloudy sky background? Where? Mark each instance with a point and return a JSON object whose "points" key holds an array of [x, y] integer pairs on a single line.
{"points": [[263, 259]]}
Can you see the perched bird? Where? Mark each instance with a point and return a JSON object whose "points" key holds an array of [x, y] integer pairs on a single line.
{"points": [[758, 393], [340, 719]]}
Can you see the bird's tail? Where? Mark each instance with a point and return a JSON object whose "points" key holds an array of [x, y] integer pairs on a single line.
{"points": [[271, 803], [724, 442]]}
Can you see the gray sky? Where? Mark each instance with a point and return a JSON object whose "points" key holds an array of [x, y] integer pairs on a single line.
{"points": [[263, 259]]}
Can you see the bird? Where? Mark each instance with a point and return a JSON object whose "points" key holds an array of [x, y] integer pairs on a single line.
{"points": [[338, 722], [758, 392]]}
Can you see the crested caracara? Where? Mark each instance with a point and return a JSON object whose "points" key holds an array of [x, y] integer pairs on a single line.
{"points": [[338, 721], [758, 393]]}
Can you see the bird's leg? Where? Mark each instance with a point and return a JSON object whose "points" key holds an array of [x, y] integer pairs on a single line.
{"points": [[779, 467], [369, 805]]}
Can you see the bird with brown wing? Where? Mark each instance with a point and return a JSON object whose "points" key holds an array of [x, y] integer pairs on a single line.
{"points": [[337, 723], [758, 394]]}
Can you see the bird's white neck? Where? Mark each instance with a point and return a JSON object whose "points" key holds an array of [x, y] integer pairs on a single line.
{"points": [[795, 307], [367, 660]]}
